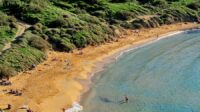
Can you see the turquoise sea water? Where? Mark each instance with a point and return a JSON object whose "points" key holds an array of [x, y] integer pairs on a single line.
{"points": [[161, 77]]}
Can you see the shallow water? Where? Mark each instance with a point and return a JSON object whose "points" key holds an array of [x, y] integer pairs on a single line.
{"points": [[161, 77]]}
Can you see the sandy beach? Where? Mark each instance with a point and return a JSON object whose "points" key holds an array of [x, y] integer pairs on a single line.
{"points": [[62, 78]]}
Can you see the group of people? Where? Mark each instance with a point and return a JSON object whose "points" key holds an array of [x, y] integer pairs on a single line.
{"points": [[15, 92], [5, 82], [9, 107], [25, 107]]}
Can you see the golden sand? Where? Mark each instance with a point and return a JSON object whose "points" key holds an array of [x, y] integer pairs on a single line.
{"points": [[54, 84]]}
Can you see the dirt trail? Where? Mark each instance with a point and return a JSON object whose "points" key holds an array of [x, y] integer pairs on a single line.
{"points": [[21, 27]]}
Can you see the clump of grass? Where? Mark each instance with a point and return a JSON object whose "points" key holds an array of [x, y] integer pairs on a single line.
{"points": [[6, 71]]}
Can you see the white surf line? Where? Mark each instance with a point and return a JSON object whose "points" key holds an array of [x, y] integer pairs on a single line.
{"points": [[76, 107], [163, 36]]}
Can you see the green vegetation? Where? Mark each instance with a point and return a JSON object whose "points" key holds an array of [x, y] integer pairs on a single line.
{"points": [[7, 29], [26, 51], [65, 25]]}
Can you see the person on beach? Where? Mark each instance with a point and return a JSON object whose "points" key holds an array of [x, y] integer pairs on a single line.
{"points": [[29, 110], [63, 109], [126, 99], [8, 107]]}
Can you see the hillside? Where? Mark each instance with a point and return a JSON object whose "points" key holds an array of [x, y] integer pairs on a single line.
{"points": [[65, 25]]}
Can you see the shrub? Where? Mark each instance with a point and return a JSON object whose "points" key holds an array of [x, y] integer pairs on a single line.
{"points": [[121, 1], [11, 3], [173, 0], [99, 14], [80, 39], [66, 46], [38, 29], [159, 2], [194, 6], [13, 6], [63, 5], [138, 23], [124, 15], [34, 8], [126, 25], [1, 3], [6, 71], [58, 22], [93, 1], [90, 19], [61, 42], [167, 18], [3, 19], [35, 41], [39, 43], [143, 1]]}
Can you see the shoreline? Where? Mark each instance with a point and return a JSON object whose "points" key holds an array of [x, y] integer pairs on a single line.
{"points": [[61, 86], [102, 64]]}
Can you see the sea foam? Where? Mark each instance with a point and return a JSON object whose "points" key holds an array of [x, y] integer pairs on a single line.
{"points": [[75, 108]]}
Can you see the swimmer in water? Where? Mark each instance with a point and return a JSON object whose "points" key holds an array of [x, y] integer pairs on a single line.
{"points": [[126, 99]]}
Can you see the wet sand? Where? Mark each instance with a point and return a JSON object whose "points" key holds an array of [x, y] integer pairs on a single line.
{"points": [[60, 80]]}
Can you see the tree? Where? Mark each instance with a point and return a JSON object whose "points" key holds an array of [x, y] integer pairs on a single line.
{"points": [[11, 3], [14, 6], [194, 6]]}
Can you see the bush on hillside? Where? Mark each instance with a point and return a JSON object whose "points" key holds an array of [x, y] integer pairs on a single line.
{"points": [[66, 45], [173, 0], [34, 8], [159, 3], [167, 19], [99, 13], [90, 19], [79, 39], [93, 1], [6, 71], [124, 15], [121, 1], [11, 3], [39, 43], [13, 6], [6, 20], [58, 22], [194, 6], [60, 42]]}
